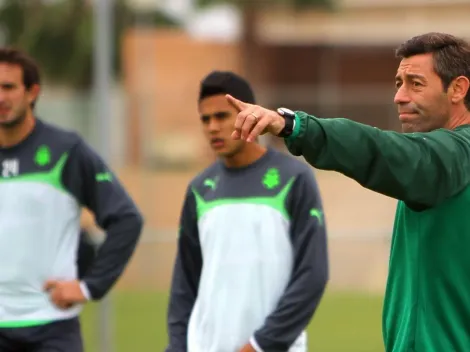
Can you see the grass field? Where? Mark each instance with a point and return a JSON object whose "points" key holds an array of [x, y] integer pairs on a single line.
{"points": [[344, 322]]}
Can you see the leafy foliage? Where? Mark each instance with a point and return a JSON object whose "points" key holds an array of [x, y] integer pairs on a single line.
{"points": [[59, 35]]}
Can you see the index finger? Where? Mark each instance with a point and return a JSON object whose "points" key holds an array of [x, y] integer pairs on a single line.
{"points": [[237, 104]]}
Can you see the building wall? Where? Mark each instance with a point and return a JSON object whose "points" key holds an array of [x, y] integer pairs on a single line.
{"points": [[376, 23], [163, 69], [330, 81]]}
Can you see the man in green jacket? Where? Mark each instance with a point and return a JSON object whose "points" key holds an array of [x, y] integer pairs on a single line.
{"points": [[427, 168]]}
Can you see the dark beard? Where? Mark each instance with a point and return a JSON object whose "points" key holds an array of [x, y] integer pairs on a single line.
{"points": [[15, 122]]}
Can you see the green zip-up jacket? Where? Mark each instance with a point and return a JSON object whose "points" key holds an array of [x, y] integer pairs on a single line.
{"points": [[427, 300]]}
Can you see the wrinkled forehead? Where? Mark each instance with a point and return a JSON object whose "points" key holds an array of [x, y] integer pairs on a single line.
{"points": [[416, 65]]}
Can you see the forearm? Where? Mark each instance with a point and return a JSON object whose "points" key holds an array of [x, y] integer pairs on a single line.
{"points": [[177, 333], [178, 318], [294, 311], [185, 279], [422, 168], [179, 310], [113, 255], [182, 299], [95, 187]]}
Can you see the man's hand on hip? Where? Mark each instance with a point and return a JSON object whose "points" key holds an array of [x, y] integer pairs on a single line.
{"points": [[254, 120], [65, 294]]}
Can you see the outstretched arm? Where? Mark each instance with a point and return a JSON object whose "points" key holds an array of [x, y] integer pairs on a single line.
{"points": [[418, 168], [421, 169]]}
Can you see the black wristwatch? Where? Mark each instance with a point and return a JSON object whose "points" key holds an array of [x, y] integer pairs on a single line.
{"points": [[289, 117]]}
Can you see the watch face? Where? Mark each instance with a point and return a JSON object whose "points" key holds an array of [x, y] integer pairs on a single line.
{"points": [[285, 111]]}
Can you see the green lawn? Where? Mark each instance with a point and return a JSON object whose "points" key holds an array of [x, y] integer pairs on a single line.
{"points": [[344, 322]]}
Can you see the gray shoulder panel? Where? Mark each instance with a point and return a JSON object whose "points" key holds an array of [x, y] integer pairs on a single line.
{"points": [[267, 177], [39, 152]]}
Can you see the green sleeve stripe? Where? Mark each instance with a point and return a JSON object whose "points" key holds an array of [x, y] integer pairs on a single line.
{"points": [[296, 130]]}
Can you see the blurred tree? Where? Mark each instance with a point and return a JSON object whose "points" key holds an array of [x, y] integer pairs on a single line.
{"points": [[59, 35]]}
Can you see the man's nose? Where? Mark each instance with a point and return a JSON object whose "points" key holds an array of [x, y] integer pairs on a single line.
{"points": [[402, 96], [214, 125]]}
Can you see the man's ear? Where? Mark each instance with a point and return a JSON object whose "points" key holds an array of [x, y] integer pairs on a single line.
{"points": [[459, 87], [33, 93]]}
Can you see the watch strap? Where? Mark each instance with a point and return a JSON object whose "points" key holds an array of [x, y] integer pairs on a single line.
{"points": [[289, 118]]}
